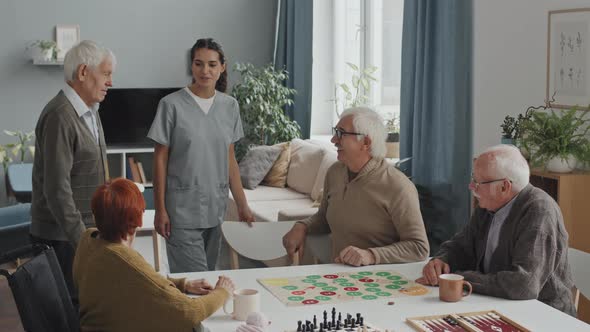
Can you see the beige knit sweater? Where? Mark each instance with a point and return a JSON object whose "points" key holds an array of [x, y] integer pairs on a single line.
{"points": [[378, 210], [120, 291]]}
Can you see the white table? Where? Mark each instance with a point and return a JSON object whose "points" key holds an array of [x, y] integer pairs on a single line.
{"points": [[532, 314]]}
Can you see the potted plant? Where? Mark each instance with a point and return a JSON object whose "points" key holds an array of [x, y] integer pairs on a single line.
{"points": [[262, 95], [392, 142], [509, 129], [44, 50], [357, 93], [21, 147], [557, 140]]}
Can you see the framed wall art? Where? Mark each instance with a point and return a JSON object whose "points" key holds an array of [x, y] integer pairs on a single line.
{"points": [[568, 58]]}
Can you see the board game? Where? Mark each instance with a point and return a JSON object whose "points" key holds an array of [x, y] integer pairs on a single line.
{"points": [[480, 321], [341, 287]]}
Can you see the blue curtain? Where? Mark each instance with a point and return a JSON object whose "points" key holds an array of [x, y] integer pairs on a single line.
{"points": [[293, 52], [436, 114]]}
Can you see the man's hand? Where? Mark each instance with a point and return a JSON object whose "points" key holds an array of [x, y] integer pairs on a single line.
{"points": [[294, 240], [245, 214], [432, 270], [197, 286], [162, 223], [355, 256]]}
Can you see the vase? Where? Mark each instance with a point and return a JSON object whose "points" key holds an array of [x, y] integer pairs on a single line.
{"points": [[558, 164], [505, 140]]}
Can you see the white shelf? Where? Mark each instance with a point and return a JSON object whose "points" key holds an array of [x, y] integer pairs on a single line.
{"points": [[116, 149], [38, 62]]}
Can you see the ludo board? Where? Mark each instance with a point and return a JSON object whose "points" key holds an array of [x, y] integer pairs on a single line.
{"points": [[341, 287]]}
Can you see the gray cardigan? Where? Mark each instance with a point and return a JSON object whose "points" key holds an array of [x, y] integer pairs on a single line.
{"points": [[530, 261], [67, 169]]}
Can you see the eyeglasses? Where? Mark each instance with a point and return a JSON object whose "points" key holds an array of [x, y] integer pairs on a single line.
{"points": [[476, 184], [339, 133]]}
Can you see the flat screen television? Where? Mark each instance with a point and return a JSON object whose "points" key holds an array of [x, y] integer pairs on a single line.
{"points": [[127, 115]]}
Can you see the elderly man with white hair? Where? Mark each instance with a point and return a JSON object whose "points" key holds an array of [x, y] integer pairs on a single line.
{"points": [[370, 208], [70, 154], [516, 244]]}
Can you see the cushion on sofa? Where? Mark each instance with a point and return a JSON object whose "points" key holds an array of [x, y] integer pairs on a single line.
{"points": [[277, 176], [305, 162], [256, 164], [329, 158], [266, 193]]}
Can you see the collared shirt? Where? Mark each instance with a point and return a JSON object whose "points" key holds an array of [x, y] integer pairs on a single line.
{"points": [[87, 114], [494, 232]]}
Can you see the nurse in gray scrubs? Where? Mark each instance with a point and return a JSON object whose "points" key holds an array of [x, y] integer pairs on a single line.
{"points": [[195, 129]]}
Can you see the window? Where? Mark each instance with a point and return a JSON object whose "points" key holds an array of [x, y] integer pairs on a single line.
{"points": [[365, 33]]}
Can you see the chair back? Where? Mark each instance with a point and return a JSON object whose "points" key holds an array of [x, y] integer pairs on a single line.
{"points": [[580, 265], [263, 241], [40, 292]]}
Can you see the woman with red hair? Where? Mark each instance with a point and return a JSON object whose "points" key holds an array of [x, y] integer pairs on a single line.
{"points": [[118, 289]]}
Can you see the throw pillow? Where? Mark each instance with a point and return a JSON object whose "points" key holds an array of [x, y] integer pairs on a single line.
{"points": [[330, 157], [257, 162], [277, 176], [305, 162]]}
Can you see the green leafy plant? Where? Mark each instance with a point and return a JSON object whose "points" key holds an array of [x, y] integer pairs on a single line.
{"points": [[509, 127], [262, 97], [355, 94], [4, 157], [20, 148], [46, 45], [546, 135]]}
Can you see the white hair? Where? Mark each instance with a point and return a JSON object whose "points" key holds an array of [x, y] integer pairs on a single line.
{"points": [[369, 123], [508, 162], [87, 53]]}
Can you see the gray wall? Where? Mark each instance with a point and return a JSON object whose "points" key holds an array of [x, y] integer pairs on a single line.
{"points": [[150, 39]]}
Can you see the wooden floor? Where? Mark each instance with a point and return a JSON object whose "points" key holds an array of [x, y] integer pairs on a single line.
{"points": [[9, 318]]}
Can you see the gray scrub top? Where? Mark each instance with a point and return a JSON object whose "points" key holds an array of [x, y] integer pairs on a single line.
{"points": [[197, 181]]}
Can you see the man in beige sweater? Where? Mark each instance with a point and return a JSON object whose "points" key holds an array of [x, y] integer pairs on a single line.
{"points": [[370, 208]]}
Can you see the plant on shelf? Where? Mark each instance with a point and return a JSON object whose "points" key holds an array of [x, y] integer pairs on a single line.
{"points": [[4, 157], [20, 148], [556, 140], [392, 126], [262, 97], [47, 50], [355, 94]]}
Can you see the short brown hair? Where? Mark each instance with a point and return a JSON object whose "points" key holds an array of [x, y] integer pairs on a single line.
{"points": [[118, 207]]}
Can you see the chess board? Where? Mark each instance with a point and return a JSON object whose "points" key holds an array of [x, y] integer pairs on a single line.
{"points": [[480, 321], [341, 287], [335, 322]]}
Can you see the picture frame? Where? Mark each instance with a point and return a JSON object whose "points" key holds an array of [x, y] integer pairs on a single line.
{"points": [[568, 58], [66, 36]]}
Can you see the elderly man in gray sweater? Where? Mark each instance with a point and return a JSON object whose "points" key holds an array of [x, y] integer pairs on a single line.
{"points": [[516, 244], [70, 154]]}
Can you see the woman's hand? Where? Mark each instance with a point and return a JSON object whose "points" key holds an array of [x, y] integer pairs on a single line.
{"points": [[245, 214], [227, 284], [162, 223], [198, 287]]}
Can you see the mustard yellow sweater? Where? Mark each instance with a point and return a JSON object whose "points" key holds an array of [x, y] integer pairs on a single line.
{"points": [[120, 291]]}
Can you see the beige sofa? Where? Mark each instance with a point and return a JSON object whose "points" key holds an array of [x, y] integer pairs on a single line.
{"points": [[309, 162]]}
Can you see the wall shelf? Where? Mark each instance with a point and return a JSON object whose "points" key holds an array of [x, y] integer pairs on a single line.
{"points": [[39, 62]]}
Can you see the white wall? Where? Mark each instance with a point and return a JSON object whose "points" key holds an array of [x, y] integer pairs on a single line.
{"points": [[151, 39], [510, 60]]}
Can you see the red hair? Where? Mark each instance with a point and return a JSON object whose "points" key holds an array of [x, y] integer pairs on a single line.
{"points": [[118, 207]]}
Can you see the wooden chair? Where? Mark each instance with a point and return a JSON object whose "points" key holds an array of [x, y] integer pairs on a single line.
{"points": [[580, 265], [263, 241]]}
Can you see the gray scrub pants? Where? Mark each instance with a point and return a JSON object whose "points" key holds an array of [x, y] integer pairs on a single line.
{"points": [[193, 250]]}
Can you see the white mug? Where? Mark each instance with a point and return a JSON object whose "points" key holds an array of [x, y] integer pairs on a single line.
{"points": [[245, 301]]}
